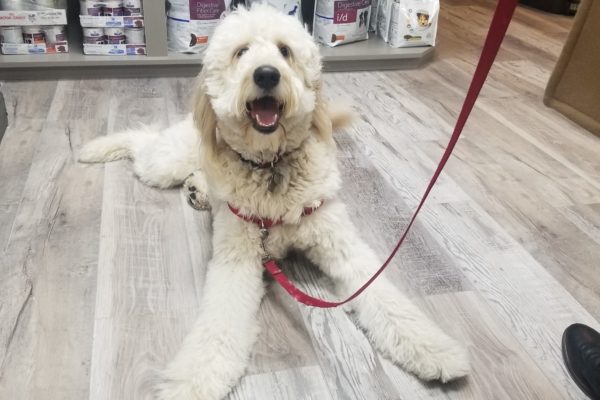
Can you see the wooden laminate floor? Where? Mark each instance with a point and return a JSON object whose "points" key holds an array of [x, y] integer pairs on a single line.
{"points": [[100, 276]]}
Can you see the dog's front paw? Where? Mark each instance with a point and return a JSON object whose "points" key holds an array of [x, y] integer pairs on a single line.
{"points": [[190, 387], [444, 363], [198, 373], [176, 390], [196, 189]]}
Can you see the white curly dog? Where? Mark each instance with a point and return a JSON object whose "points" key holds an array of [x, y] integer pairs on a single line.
{"points": [[260, 140]]}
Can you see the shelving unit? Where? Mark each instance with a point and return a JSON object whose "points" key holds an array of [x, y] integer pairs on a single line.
{"points": [[373, 54]]}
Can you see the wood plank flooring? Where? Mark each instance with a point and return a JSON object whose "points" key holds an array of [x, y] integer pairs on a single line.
{"points": [[100, 276]]}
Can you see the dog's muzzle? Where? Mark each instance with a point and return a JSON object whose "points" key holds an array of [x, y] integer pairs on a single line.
{"points": [[264, 113]]}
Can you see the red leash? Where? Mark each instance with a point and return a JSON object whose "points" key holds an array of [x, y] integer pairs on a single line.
{"points": [[498, 27]]}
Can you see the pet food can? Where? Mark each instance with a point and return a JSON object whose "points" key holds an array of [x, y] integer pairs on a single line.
{"points": [[33, 34], [48, 4], [87, 7], [55, 33], [112, 9], [134, 36], [132, 7], [13, 5], [115, 35], [11, 34], [94, 36]]}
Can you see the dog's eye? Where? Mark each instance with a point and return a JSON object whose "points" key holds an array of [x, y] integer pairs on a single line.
{"points": [[285, 51], [241, 52]]}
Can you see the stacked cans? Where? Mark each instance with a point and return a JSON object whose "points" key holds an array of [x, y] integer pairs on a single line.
{"points": [[111, 8], [33, 34], [32, 5], [113, 36], [113, 27]]}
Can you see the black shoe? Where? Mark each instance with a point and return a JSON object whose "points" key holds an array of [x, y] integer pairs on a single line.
{"points": [[581, 352]]}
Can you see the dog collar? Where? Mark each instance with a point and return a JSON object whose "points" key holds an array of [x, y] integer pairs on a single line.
{"points": [[266, 223]]}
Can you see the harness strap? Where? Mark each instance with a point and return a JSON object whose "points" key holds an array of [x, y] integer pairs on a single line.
{"points": [[266, 223]]}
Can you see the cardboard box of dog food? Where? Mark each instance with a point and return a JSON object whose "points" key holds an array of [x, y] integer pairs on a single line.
{"points": [[114, 49], [38, 48], [92, 21], [24, 18]]}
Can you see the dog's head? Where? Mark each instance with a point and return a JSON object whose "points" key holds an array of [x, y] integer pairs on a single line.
{"points": [[260, 85]]}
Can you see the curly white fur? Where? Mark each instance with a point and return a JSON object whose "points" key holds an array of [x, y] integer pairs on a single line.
{"points": [[215, 353]]}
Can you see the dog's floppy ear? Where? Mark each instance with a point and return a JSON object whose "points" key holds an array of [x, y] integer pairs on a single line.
{"points": [[205, 118], [321, 120]]}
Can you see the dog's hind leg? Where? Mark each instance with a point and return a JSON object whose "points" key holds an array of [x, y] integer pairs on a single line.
{"points": [[215, 353], [161, 159], [395, 326]]}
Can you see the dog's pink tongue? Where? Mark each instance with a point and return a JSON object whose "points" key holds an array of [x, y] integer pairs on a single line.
{"points": [[265, 111]]}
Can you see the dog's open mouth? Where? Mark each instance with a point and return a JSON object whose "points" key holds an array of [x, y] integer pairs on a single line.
{"points": [[264, 113]]}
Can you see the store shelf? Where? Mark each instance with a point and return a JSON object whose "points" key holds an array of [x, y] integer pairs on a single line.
{"points": [[373, 54], [76, 58]]}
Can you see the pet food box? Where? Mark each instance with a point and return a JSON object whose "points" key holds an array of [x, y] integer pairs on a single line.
{"points": [[341, 21], [24, 18], [373, 18], [384, 14], [408, 23], [191, 23], [33, 27], [113, 28], [289, 7]]}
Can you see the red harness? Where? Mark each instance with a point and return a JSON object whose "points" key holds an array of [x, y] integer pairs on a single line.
{"points": [[266, 223], [498, 27]]}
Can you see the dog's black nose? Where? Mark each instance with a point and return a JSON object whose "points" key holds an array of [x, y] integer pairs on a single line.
{"points": [[266, 77]]}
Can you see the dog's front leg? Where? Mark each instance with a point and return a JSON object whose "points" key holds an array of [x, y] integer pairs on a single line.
{"points": [[215, 353], [395, 326]]}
